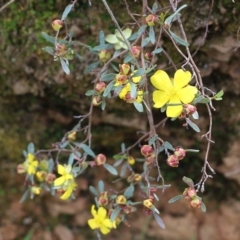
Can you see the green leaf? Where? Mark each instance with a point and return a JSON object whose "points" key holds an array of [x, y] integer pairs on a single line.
{"points": [[29, 234], [101, 38], [218, 99], [145, 42], [78, 56], [176, 198], [25, 195], [93, 190], [188, 181], [204, 100], [133, 90], [172, 17], [108, 77], [129, 191], [128, 58], [31, 148], [48, 38], [152, 140], [152, 35], [88, 150], [66, 11], [138, 106], [133, 36], [50, 165], [155, 7], [192, 125], [197, 99], [141, 30], [123, 169], [119, 156], [103, 105], [118, 162], [219, 94], [159, 220], [110, 168], [123, 147], [71, 159], [90, 93], [101, 186], [150, 69], [108, 88], [203, 207], [115, 213], [195, 115], [49, 50], [91, 67], [138, 73], [169, 146], [178, 39], [158, 50], [64, 66]]}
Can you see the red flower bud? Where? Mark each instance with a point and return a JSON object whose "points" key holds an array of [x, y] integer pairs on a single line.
{"points": [[100, 87], [148, 56], [57, 24], [180, 153], [121, 79], [189, 109], [50, 178], [189, 193], [146, 150], [100, 159], [151, 20], [136, 50], [172, 161], [103, 199]]}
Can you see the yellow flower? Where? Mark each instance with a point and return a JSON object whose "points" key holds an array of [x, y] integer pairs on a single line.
{"points": [[66, 181], [30, 164], [117, 39], [176, 91], [69, 188], [65, 171], [125, 94], [101, 220]]}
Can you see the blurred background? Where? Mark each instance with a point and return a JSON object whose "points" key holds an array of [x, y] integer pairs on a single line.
{"points": [[38, 102]]}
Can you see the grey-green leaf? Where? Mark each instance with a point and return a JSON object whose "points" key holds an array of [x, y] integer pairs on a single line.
{"points": [[101, 186], [178, 39], [170, 19], [188, 181], [193, 125], [129, 191], [108, 77], [152, 35], [67, 10], [138, 106], [203, 207], [64, 66], [108, 88], [93, 190], [88, 150], [115, 213], [110, 168], [176, 198], [31, 148], [91, 67], [159, 220]]}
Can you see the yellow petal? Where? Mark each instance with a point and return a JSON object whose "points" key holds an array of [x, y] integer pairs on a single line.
{"points": [[67, 194], [160, 98], [181, 79], [59, 181], [107, 222], [161, 81], [136, 79], [187, 94], [61, 169], [93, 211], [174, 111], [102, 212], [104, 229], [93, 224]]}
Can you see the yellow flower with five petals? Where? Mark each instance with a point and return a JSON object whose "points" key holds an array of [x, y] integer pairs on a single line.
{"points": [[100, 220], [174, 92]]}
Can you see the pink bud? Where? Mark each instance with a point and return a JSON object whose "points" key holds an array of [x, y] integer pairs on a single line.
{"points": [[172, 161], [57, 24], [100, 87], [180, 153], [100, 159], [136, 50], [146, 150], [189, 109], [151, 20]]}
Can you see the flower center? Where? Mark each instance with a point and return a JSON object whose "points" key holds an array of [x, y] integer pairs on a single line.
{"points": [[171, 92]]}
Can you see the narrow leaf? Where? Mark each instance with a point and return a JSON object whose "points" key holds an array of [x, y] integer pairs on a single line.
{"points": [[115, 213], [48, 38], [101, 186], [128, 58], [155, 7], [152, 35], [176, 198], [49, 50], [108, 77], [129, 191], [101, 38], [91, 67], [123, 169], [64, 66], [138, 106], [152, 140], [88, 150], [93, 190], [138, 73], [158, 50], [103, 106], [219, 94], [90, 93], [178, 39], [133, 90], [71, 159], [195, 115], [203, 207], [141, 30], [123, 147], [110, 168], [145, 42], [25, 195], [67, 10], [159, 220], [169, 19], [168, 146], [108, 88], [31, 148], [188, 181], [192, 125]]}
